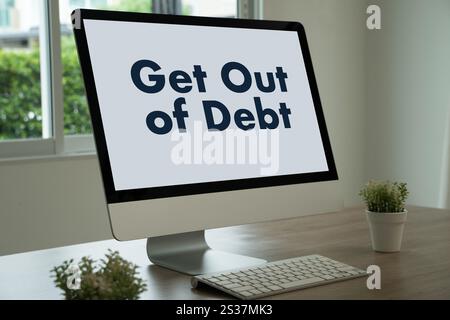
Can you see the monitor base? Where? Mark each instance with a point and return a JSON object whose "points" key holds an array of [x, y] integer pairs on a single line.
{"points": [[190, 254]]}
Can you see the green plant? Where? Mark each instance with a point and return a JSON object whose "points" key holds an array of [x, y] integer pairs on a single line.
{"points": [[20, 93], [113, 279], [384, 196]]}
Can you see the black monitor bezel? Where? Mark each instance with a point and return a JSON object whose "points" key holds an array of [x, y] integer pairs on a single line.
{"points": [[113, 196]]}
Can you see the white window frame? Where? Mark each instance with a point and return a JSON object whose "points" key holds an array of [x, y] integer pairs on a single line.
{"points": [[53, 141]]}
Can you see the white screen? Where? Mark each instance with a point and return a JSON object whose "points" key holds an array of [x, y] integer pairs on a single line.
{"points": [[141, 158]]}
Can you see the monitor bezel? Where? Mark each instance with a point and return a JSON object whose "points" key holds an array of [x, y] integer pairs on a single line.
{"points": [[113, 196]]}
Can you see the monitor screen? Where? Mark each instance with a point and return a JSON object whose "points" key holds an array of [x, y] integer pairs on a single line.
{"points": [[184, 104]]}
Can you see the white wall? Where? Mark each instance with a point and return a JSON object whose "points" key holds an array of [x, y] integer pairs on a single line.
{"points": [[408, 96], [336, 36], [51, 202]]}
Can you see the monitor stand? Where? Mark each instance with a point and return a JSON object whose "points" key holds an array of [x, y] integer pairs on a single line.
{"points": [[190, 254]]}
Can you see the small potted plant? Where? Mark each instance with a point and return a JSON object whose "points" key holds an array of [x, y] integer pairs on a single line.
{"points": [[114, 278], [386, 213]]}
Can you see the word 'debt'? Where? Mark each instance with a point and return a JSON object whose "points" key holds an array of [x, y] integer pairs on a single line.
{"points": [[147, 78]]}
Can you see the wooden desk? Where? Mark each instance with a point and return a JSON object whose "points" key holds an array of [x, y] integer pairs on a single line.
{"points": [[420, 271]]}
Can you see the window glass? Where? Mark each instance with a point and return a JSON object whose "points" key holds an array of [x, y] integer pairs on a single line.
{"points": [[20, 66], [217, 8], [76, 114]]}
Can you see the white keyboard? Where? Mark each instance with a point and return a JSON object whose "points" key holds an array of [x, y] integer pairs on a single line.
{"points": [[279, 277]]}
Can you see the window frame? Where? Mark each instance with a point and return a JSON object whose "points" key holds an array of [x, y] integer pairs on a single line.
{"points": [[54, 142]]}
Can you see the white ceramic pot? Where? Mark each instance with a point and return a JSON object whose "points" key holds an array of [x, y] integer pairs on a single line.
{"points": [[386, 230]]}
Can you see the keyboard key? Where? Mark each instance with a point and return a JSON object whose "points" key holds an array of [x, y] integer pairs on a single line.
{"points": [[317, 274], [232, 286], [246, 293], [243, 288], [353, 272], [255, 291], [346, 268], [301, 282], [275, 287]]}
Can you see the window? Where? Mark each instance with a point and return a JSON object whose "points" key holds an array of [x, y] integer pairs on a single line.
{"points": [[5, 18], [87, 3], [217, 8], [76, 113], [20, 70], [43, 107], [5, 12]]}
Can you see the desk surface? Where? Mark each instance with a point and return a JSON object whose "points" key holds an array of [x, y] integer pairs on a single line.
{"points": [[420, 271]]}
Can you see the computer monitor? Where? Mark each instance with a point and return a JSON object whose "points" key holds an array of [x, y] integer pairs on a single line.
{"points": [[202, 123]]}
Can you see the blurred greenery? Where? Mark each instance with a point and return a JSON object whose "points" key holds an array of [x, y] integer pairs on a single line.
{"points": [[20, 94], [76, 113], [20, 86], [132, 6], [143, 6]]}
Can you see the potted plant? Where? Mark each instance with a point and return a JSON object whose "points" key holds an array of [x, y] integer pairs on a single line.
{"points": [[114, 278], [386, 213]]}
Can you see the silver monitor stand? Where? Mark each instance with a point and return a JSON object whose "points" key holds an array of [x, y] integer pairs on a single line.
{"points": [[190, 254]]}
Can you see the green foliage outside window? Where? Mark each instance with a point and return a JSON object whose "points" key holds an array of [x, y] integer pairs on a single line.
{"points": [[132, 6], [20, 86], [76, 113], [20, 93]]}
